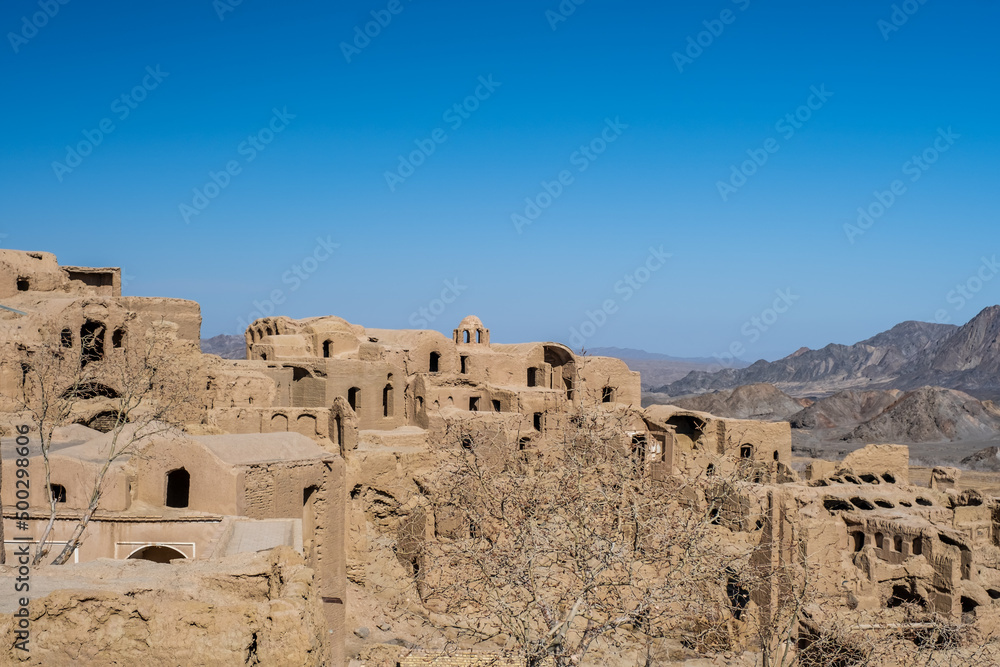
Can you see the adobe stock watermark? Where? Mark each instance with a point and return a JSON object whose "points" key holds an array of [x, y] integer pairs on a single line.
{"points": [[627, 287], [786, 126], [223, 7], [31, 25], [915, 167], [455, 116], [122, 107], [562, 13], [294, 277], [363, 35], [581, 158], [424, 316], [249, 149], [756, 326], [901, 13], [697, 43], [966, 290]]}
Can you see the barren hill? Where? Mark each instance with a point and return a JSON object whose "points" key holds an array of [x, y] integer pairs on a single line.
{"points": [[755, 401], [845, 408], [931, 414], [226, 346]]}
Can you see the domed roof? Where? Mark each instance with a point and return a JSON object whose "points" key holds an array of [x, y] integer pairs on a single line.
{"points": [[471, 322]]}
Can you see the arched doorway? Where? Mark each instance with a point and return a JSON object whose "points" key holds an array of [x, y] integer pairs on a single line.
{"points": [[178, 488], [156, 553]]}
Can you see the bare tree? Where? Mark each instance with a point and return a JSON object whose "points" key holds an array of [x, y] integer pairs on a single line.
{"points": [[559, 549], [136, 384]]}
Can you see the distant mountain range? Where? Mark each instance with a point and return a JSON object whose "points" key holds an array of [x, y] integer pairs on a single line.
{"points": [[658, 369], [226, 346], [907, 356]]}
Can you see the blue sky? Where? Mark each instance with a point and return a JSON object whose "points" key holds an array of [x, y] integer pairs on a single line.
{"points": [[310, 117]]}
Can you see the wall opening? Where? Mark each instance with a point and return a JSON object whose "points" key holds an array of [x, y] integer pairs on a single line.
{"points": [[118, 338], [435, 362], [607, 395], [862, 504], [537, 421], [338, 430], [387, 401], [569, 388], [465, 336], [522, 443], [881, 502], [91, 342], [354, 398], [739, 596], [326, 349], [897, 543], [917, 546], [178, 488], [746, 451], [532, 377], [710, 470], [879, 541], [638, 449], [467, 442], [23, 285], [474, 403], [157, 554], [858, 540], [496, 405], [465, 364], [58, 492], [775, 456], [66, 338], [902, 594], [837, 505]]}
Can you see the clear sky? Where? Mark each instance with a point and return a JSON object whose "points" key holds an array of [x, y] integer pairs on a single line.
{"points": [[231, 153]]}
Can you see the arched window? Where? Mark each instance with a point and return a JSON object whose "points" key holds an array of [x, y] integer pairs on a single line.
{"points": [[746, 451], [58, 492], [178, 488], [465, 336], [387, 401], [326, 349], [157, 554], [479, 335], [435, 362]]}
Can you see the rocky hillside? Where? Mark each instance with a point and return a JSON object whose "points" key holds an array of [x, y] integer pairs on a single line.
{"points": [[908, 356], [754, 401], [931, 414], [227, 347], [845, 408]]}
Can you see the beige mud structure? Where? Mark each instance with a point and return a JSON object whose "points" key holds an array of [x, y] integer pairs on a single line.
{"points": [[321, 438]]}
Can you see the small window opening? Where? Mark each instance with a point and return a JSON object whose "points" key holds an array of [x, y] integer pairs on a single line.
{"points": [[66, 338], [924, 502], [467, 442], [739, 596], [532, 377], [537, 421], [178, 488], [496, 406], [354, 398], [884, 503], [897, 543], [92, 342], [58, 492], [569, 389], [869, 479], [435, 362], [479, 335], [387, 401], [23, 285], [474, 404], [465, 336], [775, 456], [118, 338], [917, 546], [858, 540], [837, 505], [862, 504], [746, 451], [522, 443], [607, 395], [710, 470], [889, 478], [879, 541], [638, 449], [465, 364], [326, 349]]}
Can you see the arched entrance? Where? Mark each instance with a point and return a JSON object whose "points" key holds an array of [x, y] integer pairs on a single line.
{"points": [[156, 553]]}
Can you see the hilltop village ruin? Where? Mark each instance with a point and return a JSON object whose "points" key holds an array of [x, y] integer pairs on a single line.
{"points": [[315, 448]]}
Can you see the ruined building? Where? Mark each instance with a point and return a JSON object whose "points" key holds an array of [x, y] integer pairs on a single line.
{"points": [[318, 439]]}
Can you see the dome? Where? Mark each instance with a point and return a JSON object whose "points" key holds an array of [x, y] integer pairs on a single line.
{"points": [[471, 322]]}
